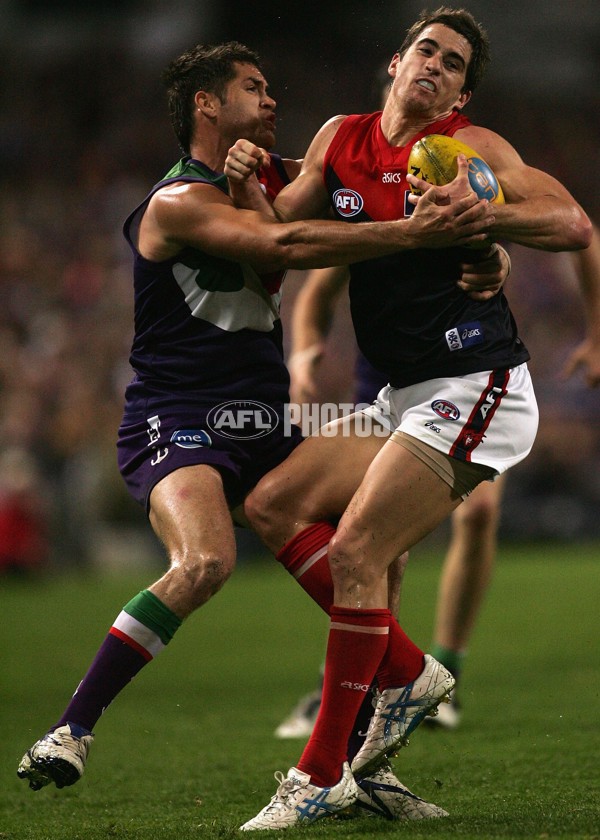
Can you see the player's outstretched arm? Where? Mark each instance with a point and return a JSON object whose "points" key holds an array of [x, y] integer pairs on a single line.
{"points": [[586, 356], [539, 211], [199, 216]]}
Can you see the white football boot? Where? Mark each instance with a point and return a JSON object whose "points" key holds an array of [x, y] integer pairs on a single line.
{"points": [[383, 795], [297, 801], [58, 757], [398, 713]]}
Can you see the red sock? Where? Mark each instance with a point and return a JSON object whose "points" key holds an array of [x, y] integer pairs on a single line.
{"points": [[305, 558], [356, 645], [402, 661]]}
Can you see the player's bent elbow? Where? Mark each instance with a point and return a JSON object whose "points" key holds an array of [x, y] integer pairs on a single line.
{"points": [[587, 232], [579, 233]]}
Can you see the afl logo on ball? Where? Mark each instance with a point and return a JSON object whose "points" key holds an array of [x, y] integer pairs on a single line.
{"points": [[347, 202], [445, 409]]}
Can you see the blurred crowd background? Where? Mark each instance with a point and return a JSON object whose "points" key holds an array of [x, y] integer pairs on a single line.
{"points": [[84, 133]]}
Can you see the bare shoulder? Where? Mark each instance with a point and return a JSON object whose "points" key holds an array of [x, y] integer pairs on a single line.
{"points": [[318, 148], [329, 129], [519, 179], [176, 201], [171, 212], [292, 167], [181, 194], [492, 147], [323, 137]]}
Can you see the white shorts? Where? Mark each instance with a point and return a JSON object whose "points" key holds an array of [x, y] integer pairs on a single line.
{"points": [[488, 418]]}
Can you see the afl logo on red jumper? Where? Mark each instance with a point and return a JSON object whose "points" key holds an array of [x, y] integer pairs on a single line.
{"points": [[347, 202], [445, 409]]}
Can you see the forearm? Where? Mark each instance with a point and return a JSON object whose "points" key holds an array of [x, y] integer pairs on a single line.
{"points": [[317, 244], [201, 217], [321, 243], [314, 307], [555, 225], [588, 271], [248, 195], [308, 329]]}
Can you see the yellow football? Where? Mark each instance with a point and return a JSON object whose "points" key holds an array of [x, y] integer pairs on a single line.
{"points": [[433, 158]]}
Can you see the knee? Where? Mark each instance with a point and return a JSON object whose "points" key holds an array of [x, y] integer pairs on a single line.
{"points": [[348, 560], [257, 509], [266, 511], [199, 574], [478, 514]]}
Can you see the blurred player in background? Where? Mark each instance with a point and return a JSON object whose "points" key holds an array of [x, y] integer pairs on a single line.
{"points": [[471, 554], [207, 283], [406, 311]]}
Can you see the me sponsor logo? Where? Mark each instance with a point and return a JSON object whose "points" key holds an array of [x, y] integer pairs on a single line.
{"points": [[242, 419], [191, 438]]}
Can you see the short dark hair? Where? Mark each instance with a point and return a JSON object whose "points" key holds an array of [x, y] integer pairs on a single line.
{"points": [[463, 22], [203, 67]]}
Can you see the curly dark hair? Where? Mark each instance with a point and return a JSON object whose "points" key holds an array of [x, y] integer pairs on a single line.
{"points": [[463, 22], [203, 67]]}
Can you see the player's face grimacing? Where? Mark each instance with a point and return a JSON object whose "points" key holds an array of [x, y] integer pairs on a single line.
{"points": [[248, 110], [430, 77]]}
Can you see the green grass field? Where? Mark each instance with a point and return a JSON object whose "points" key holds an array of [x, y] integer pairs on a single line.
{"points": [[187, 750]]}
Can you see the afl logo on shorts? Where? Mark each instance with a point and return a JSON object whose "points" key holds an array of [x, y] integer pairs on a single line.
{"points": [[242, 419], [445, 409], [347, 203]]}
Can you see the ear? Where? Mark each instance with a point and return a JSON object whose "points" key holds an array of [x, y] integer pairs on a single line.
{"points": [[393, 66], [206, 102], [462, 100]]}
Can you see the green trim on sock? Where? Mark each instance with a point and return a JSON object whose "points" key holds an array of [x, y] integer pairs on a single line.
{"points": [[450, 659], [152, 613]]}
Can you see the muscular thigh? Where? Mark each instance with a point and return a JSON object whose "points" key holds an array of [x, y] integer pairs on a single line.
{"points": [[400, 501], [320, 477], [190, 515]]}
